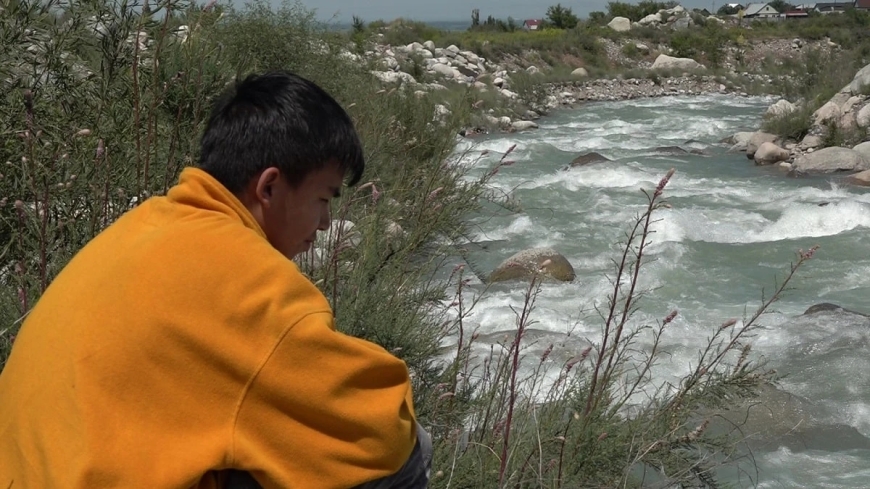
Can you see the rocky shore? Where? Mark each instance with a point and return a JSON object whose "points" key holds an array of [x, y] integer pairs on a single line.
{"points": [[836, 143]]}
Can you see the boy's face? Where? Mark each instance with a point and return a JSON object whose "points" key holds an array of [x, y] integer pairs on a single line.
{"points": [[291, 216]]}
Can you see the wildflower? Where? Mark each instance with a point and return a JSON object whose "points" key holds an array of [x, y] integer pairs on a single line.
{"points": [[434, 193], [806, 255], [547, 353], [728, 324], [19, 205], [670, 317], [101, 149], [375, 194], [602, 436], [664, 181]]}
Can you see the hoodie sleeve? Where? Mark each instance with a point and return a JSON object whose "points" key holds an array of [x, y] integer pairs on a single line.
{"points": [[325, 410]]}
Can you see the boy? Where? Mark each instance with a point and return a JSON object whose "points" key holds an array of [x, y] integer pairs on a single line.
{"points": [[183, 342]]}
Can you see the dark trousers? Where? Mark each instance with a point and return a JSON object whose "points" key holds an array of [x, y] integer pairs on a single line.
{"points": [[413, 475]]}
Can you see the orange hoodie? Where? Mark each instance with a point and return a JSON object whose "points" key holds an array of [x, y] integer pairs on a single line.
{"points": [[179, 342]]}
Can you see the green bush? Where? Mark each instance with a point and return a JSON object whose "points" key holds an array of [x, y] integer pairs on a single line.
{"points": [[792, 125]]}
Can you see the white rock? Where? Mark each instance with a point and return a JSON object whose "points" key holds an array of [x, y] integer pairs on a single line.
{"points": [[651, 19], [580, 73], [394, 77], [828, 112], [498, 82], [429, 45], [443, 69], [863, 118], [620, 24], [453, 49], [861, 79], [524, 125], [780, 108], [504, 121], [665, 62], [507, 93], [769, 153], [533, 70], [471, 57], [863, 149]]}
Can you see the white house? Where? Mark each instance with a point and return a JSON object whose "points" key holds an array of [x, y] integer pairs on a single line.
{"points": [[759, 11]]}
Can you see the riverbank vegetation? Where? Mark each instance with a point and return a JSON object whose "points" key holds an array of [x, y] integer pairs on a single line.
{"points": [[102, 106]]}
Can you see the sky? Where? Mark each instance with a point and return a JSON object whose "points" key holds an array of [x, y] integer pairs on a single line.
{"points": [[457, 10]]}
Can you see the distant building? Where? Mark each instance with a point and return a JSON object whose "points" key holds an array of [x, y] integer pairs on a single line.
{"points": [[531, 24], [759, 11], [834, 7], [736, 6], [862, 4]]}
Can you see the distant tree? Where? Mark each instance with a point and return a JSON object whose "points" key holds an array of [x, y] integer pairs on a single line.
{"points": [[781, 6], [561, 17], [475, 18], [358, 24], [727, 10], [597, 18], [511, 24]]}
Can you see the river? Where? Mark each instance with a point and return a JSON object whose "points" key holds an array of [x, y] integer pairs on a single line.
{"points": [[731, 232]]}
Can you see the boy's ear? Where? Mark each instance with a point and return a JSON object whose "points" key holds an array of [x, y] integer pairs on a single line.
{"points": [[264, 186]]}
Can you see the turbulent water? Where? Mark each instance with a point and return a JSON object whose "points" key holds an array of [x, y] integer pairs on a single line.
{"points": [[732, 231]]}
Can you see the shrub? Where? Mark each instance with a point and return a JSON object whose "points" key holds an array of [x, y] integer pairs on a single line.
{"points": [[792, 125]]}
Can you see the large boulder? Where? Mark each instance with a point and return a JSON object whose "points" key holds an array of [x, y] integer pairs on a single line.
{"points": [[655, 18], [525, 264], [863, 117], [830, 112], [862, 178], [830, 160], [683, 23], [443, 69], [738, 141], [665, 62], [769, 154], [862, 79], [863, 149], [523, 125], [757, 139], [620, 24], [580, 73]]}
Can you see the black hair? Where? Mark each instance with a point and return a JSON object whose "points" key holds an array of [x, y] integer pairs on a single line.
{"points": [[278, 119]]}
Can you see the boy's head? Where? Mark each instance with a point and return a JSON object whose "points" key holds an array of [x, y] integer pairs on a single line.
{"points": [[284, 147]]}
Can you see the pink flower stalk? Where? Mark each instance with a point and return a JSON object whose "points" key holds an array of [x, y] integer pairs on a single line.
{"points": [[670, 317], [375, 194], [546, 353], [664, 181]]}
